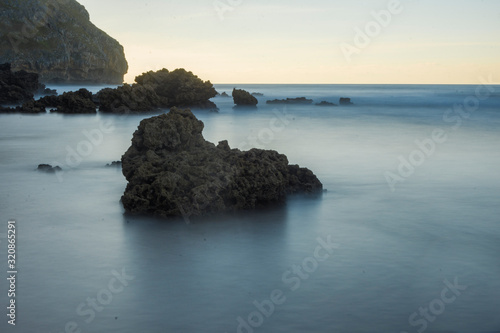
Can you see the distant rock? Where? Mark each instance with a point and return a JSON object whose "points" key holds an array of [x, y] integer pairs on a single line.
{"points": [[325, 103], [115, 164], [256, 94], [172, 171], [161, 89], [55, 39], [74, 102], [345, 101], [224, 94], [298, 100], [244, 98], [48, 168]]}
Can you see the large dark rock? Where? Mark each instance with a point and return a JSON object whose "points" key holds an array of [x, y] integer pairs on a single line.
{"points": [[161, 89], [242, 97], [55, 39], [172, 171]]}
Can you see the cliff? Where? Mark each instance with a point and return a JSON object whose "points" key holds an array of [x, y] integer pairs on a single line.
{"points": [[55, 39]]}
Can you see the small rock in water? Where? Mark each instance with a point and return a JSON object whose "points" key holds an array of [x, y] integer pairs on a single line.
{"points": [[48, 168], [345, 101], [114, 164], [242, 97]]}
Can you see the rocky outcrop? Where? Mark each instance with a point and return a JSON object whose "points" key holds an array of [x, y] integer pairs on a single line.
{"points": [[55, 39], [48, 168], [172, 171], [298, 100], [244, 98], [161, 89], [72, 102], [345, 101]]}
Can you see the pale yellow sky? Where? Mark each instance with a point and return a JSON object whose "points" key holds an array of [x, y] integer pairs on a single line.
{"points": [[316, 41]]}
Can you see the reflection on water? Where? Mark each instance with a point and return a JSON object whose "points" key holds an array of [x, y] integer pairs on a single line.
{"points": [[395, 249]]}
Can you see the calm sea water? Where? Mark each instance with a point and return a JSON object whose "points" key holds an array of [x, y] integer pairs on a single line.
{"points": [[412, 208]]}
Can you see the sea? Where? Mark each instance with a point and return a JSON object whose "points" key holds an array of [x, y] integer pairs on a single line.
{"points": [[404, 239]]}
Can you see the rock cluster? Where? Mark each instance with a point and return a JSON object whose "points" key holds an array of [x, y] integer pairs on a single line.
{"points": [[172, 171], [244, 98], [161, 89], [55, 39], [80, 101], [298, 100]]}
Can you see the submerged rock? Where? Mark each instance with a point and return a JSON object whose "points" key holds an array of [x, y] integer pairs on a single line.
{"points": [[242, 97], [325, 103], [172, 171], [298, 100]]}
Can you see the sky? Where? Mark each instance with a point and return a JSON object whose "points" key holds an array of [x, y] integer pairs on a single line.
{"points": [[308, 41]]}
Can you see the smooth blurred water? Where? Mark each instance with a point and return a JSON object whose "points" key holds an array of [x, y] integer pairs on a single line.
{"points": [[395, 248]]}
